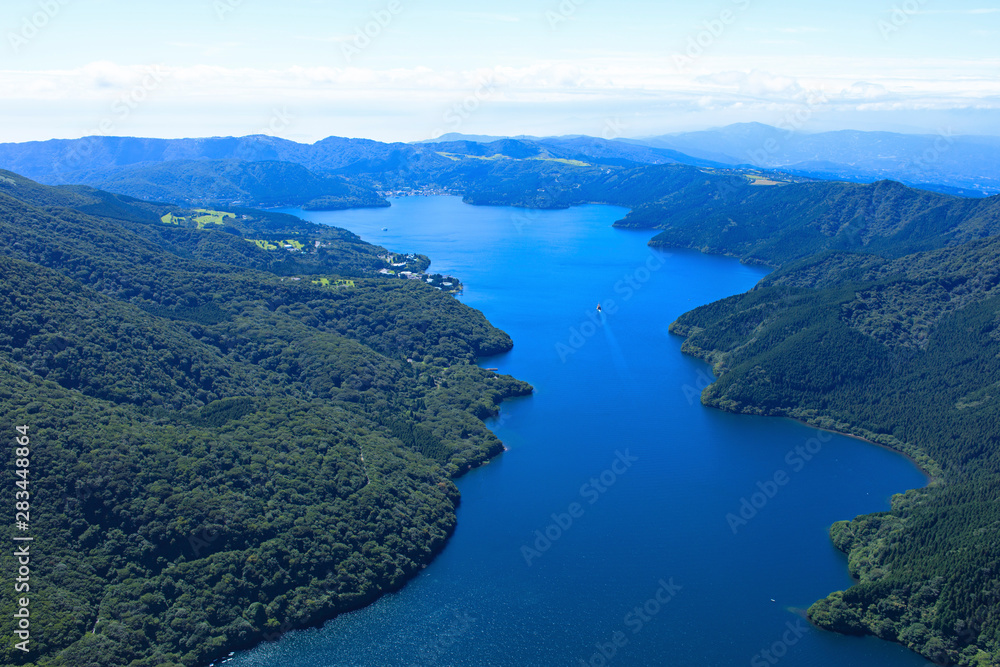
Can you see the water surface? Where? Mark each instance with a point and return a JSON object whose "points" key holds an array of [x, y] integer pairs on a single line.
{"points": [[606, 521]]}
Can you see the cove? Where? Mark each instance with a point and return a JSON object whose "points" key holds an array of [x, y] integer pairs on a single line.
{"points": [[606, 534]]}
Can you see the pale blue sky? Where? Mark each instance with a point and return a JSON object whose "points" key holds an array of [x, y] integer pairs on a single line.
{"points": [[295, 68]]}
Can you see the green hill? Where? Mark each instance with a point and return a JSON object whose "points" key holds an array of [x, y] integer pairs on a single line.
{"points": [[901, 350], [775, 225], [226, 182], [221, 450]]}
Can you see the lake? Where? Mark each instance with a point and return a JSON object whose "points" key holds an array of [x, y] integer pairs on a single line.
{"points": [[626, 524]]}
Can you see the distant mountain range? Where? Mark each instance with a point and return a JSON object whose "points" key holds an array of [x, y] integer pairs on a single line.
{"points": [[333, 173], [961, 162], [945, 162], [340, 173]]}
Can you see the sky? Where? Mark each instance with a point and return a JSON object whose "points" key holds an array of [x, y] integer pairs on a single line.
{"points": [[410, 70]]}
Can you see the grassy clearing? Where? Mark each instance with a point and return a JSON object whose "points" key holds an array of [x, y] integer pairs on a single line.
{"points": [[336, 283], [171, 219], [458, 157], [207, 217], [495, 158], [760, 180], [287, 244]]}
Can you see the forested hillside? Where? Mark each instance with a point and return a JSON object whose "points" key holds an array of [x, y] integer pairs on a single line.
{"points": [[901, 349], [228, 439], [775, 225], [222, 182]]}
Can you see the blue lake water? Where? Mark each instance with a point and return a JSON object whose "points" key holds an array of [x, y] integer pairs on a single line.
{"points": [[601, 537]]}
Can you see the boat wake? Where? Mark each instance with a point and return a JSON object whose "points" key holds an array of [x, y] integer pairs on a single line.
{"points": [[621, 366]]}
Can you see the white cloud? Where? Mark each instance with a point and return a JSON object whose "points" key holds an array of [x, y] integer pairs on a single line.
{"points": [[862, 90], [327, 100], [948, 84], [755, 84]]}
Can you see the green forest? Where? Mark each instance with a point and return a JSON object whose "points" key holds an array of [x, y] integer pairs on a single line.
{"points": [[221, 450], [265, 183], [856, 332]]}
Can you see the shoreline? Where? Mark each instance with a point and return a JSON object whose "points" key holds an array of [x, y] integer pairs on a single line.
{"points": [[931, 480], [705, 358], [909, 457], [322, 619], [503, 448], [929, 474]]}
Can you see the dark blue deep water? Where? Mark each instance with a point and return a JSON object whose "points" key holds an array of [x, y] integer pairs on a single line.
{"points": [[606, 521]]}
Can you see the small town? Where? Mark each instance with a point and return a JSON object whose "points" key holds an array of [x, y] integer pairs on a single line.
{"points": [[436, 280]]}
